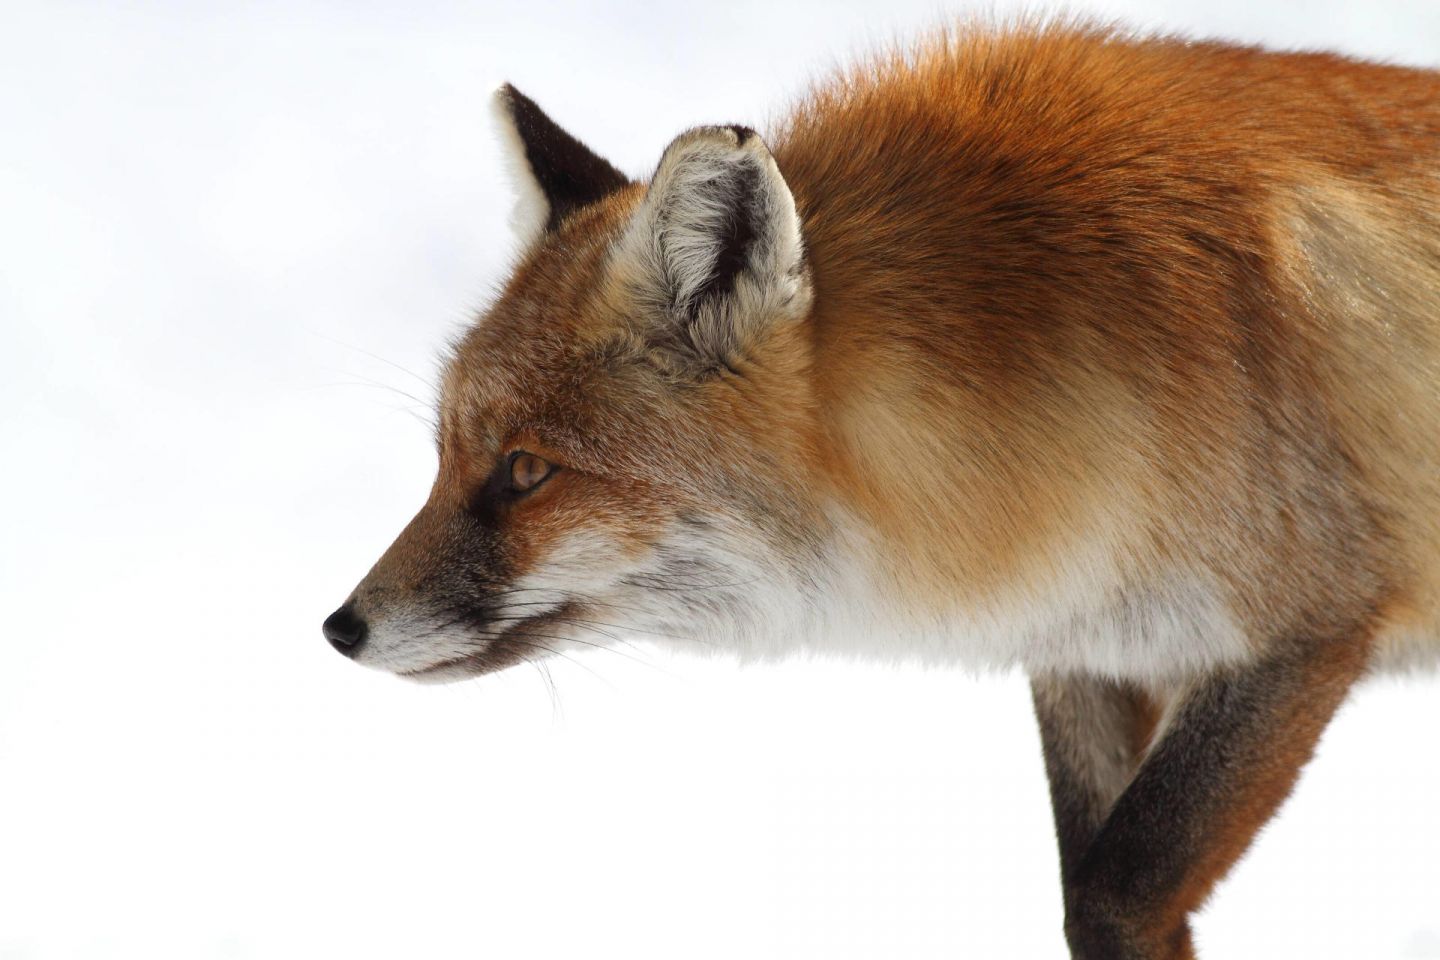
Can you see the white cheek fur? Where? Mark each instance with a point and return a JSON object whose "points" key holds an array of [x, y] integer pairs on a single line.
{"points": [[402, 641], [740, 595]]}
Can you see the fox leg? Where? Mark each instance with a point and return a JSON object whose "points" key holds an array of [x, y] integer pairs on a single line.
{"points": [[1094, 733], [1229, 755]]}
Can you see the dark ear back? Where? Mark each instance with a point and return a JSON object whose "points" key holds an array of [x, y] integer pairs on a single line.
{"points": [[563, 174]]}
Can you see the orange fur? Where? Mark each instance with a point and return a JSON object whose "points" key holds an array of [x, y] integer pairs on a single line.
{"points": [[1072, 253]]}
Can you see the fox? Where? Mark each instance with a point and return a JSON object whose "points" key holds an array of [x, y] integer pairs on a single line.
{"points": [[1113, 358]]}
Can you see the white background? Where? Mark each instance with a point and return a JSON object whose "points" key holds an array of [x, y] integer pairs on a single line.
{"points": [[224, 230]]}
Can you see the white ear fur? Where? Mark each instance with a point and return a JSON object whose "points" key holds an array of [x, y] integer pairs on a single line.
{"points": [[716, 243], [555, 174], [531, 210]]}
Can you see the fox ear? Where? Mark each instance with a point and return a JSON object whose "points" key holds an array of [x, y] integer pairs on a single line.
{"points": [[715, 246], [554, 173]]}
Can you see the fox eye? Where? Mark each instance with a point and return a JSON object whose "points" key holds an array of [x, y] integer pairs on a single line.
{"points": [[528, 471]]}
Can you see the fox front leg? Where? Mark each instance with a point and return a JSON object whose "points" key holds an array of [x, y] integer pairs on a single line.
{"points": [[1094, 733], [1230, 754]]}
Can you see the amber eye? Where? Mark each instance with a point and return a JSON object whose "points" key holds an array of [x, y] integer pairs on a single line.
{"points": [[528, 471]]}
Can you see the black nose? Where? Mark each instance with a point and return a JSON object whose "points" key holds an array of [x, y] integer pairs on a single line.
{"points": [[346, 630]]}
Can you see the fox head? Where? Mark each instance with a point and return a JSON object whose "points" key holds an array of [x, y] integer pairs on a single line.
{"points": [[627, 436]]}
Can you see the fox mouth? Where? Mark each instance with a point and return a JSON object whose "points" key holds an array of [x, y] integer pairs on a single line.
{"points": [[517, 643]]}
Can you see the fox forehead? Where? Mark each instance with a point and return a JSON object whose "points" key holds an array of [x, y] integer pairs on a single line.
{"points": [[532, 367], [565, 363]]}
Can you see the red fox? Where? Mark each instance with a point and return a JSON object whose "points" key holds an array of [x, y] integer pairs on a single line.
{"points": [[1115, 359]]}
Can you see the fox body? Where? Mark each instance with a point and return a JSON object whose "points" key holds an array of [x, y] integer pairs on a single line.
{"points": [[1114, 359]]}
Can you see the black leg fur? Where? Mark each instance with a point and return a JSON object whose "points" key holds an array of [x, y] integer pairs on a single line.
{"points": [[1224, 763]]}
